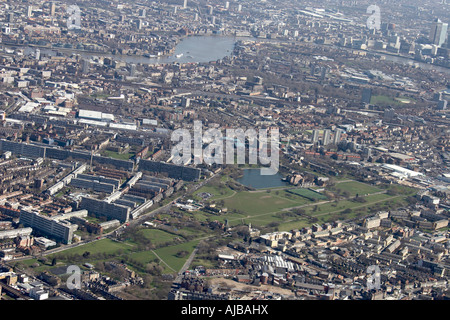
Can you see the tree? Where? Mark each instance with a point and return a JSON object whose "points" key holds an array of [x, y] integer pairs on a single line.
{"points": [[54, 261], [299, 211], [182, 253], [392, 192]]}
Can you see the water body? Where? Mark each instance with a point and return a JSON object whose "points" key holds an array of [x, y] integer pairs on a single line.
{"points": [[193, 49], [253, 178]]}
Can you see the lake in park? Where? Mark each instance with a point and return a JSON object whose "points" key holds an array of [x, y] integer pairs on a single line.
{"points": [[253, 178]]}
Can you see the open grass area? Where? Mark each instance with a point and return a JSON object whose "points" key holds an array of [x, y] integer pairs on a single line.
{"points": [[100, 250], [156, 236], [354, 188], [308, 194], [295, 224], [320, 211], [343, 205], [116, 155], [171, 258], [217, 192], [382, 100], [169, 255], [264, 207], [101, 246], [250, 203]]}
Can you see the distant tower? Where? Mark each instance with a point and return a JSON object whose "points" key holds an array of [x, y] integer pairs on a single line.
{"points": [[315, 136], [438, 32], [437, 96], [366, 95], [186, 102], [326, 137], [10, 17], [133, 70], [185, 4], [389, 114], [38, 54], [52, 9], [337, 136], [442, 105], [29, 11], [210, 9], [239, 8], [85, 66], [312, 70], [323, 73], [142, 13], [227, 5]]}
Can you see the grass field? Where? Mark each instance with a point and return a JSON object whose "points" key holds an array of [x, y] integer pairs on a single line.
{"points": [[116, 155], [157, 236], [308, 194], [250, 203], [383, 100], [101, 246], [217, 192], [263, 207], [169, 254], [354, 188]]}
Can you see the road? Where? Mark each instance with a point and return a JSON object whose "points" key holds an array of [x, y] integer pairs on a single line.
{"points": [[188, 262]]}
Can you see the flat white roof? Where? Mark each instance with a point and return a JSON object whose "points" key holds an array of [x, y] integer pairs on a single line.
{"points": [[402, 170], [93, 122], [28, 107]]}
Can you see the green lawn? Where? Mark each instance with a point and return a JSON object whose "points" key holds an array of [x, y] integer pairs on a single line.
{"points": [[157, 236], [308, 194], [344, 204], [116, 155], [355, 187], [169, 254], [100, 246], [383, 100], [292, 225], [250, 203], [263, 207], [218, 192]]}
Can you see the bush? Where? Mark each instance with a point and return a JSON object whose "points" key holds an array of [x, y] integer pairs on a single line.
{"points": [[182, 254]]}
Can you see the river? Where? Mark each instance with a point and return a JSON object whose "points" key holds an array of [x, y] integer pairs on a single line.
{"points": [[203, 49], [193, 49]]}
